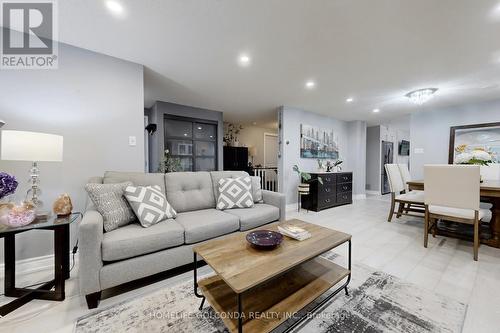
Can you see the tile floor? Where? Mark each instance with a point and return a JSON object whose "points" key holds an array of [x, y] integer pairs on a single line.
{"points": [[397, 248]]}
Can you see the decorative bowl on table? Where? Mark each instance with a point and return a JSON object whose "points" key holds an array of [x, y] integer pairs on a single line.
{"points": [[18, 215], [264, 239]]}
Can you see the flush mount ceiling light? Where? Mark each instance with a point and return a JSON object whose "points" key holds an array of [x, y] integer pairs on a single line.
{"points": [[115, 7], [421, 96], [310, 84], [244, 60]]}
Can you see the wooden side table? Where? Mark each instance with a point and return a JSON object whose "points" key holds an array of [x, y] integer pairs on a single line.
{"points": [[60, 226]]}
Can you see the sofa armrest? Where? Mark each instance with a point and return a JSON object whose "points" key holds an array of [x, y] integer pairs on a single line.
{"points": [[90, 236], [275, 199]]}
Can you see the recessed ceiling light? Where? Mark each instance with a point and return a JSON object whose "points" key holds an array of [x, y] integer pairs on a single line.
{"points": [[350, 100], [310, 84], [254, 123], [115, 7], [244, 60], [376, 110]]}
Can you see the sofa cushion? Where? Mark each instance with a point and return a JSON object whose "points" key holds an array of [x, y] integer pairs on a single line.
{"points": [[149, 204], [205, 224], [235, 193], [137, 178], [256, 216], [256, 189], [188, 191], [133, 240], [110, 202], [218, 175]]}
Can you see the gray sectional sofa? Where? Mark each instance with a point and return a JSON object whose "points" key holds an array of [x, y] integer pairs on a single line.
{"points": [[131, 252]]}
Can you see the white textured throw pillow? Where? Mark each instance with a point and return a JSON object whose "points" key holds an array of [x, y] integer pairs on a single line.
{"points": [[235, 193], [110, 202], [256, 189], [149, 204]]}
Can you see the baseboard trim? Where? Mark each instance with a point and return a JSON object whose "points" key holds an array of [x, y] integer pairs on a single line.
{"points": [[33, 265], [359, 196], [373, 192]]}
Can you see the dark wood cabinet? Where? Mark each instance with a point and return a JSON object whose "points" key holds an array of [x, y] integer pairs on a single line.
{"points": [[236, 158], [336, 190]]}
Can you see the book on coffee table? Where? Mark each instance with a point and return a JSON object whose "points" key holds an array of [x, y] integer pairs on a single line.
{"points": [[294, 232]]}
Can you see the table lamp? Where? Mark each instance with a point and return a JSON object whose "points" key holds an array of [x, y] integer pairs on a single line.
{"points": [[34, 147]]}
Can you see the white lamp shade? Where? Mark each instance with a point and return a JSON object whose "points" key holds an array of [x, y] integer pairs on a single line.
{"points": [[31, 146], [252, 151]]}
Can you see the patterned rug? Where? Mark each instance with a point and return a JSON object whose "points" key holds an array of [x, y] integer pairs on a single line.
{"points": [[377, 302]]}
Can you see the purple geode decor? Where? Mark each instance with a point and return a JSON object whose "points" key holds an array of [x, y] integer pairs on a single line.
{"points": [[264, 239], [8, 184]]}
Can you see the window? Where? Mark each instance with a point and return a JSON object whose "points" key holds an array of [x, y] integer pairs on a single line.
{"points": [[193, 142]]}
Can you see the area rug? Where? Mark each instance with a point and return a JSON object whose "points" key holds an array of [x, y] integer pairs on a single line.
{"points": [[377, 302]]}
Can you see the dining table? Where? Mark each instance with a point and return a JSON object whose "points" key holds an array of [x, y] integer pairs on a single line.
{"points": [[489, 232]]}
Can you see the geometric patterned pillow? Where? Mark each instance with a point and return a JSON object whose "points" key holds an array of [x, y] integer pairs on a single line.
{"points": [[149, 204], [109, 201], [235, 193]]}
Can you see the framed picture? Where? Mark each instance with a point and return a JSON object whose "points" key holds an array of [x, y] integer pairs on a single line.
{"points": [[470, 137], [318, 143]]}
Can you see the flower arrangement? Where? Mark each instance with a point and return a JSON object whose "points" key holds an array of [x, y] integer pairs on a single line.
{"points": [[477, 156], [8, 184]]}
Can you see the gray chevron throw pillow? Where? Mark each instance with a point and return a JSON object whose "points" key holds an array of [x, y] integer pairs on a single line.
{"points": [[149, 204], [235, 193]]}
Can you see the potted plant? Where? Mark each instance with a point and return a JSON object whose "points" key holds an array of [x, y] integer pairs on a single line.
{"points": [[169, 163], [305, 180], [231, 135]]}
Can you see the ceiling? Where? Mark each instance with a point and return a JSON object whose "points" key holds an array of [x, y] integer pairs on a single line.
{"points": [[372, 51]]}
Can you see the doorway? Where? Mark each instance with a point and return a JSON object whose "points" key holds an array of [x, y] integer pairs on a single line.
{"points": [[270, 150]]}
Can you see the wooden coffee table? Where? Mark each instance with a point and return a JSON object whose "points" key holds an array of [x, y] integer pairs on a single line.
{"points": [[256, 291]]}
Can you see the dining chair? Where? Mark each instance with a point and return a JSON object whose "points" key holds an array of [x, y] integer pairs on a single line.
{"points": [[452, 193], [400, 196], [489, 172], [405, 174]]}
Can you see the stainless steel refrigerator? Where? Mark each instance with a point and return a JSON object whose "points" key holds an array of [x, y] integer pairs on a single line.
{"points": [[386, 158]]}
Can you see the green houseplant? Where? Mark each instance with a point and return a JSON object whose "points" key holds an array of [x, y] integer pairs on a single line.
{"points": [[169, 163], [305, 180]]}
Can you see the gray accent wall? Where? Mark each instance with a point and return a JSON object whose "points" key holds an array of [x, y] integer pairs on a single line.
{"points": [[430, 131], [95, 102], [352, 145], [157, 115]]}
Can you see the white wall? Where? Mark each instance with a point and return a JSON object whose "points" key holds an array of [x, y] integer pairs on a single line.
{"points": [[430, 131], [96, 102], [254, 136], [291, 119]]}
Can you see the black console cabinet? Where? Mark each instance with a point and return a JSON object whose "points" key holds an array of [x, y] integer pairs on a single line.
{"points": [[336, 190]]}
